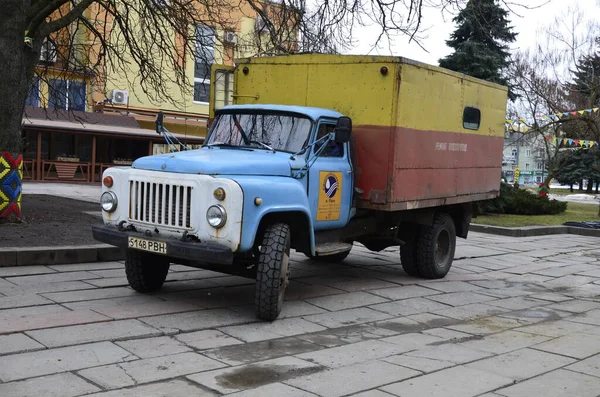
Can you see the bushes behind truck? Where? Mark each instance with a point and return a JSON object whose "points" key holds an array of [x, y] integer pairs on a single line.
{"points": [[513, 200]]}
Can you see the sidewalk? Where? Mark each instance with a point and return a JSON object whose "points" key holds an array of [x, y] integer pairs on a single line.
{"points": [[82, 192]]}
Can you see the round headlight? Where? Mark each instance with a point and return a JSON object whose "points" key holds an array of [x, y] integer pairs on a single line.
{"points": [[109, 201], [216, 216]]}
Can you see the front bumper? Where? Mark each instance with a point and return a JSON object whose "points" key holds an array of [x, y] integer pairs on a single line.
{"points": [[193, 251]]}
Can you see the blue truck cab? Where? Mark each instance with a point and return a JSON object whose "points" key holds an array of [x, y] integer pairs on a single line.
{"points": [[268, 179]]}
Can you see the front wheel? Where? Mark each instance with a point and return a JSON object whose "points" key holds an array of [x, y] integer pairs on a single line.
{"points": [[272, 271], [435, 247], [145, 272]]}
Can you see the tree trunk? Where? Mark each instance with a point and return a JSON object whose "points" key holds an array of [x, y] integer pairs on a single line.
{"points": [[571, 188], [581, 185], [16, 73], [590, 187], [597, 186]]}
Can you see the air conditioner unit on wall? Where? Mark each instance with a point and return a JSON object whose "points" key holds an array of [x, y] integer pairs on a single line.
{"points": [[120, 97], [230, 38]]}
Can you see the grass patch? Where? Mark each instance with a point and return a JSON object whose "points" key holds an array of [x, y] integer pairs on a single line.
{"points": [[576, 212]]}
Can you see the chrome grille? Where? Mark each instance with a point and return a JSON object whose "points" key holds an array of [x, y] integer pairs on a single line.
{"points": [[160, 203]]}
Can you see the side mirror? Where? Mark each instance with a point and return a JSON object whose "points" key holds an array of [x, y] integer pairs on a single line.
{"points": [[343, 129], [159, 122]]}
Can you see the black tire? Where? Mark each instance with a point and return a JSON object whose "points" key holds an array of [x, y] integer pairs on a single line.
{"points": [[335, 258], [145, 272], [435, 247], [272, 271], [408, 253]]}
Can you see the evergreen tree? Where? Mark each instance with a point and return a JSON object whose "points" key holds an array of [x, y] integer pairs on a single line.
{"points": [[586, 79], [480, 42]]}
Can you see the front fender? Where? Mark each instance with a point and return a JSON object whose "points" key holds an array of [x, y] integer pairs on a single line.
{"points": [[278, 194]]}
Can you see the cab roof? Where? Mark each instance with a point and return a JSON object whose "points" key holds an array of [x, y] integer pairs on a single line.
{"points": [[311, 112]]}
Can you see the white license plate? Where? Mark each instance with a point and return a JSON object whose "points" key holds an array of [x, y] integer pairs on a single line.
{"points": [[158, 247]]}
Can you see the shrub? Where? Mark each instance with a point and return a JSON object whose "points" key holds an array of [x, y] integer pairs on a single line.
{"points": [[517, 201]]}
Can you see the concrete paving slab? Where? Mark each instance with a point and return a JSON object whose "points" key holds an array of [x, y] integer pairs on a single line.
{"points": [[251, 376], [355, 353], [111, 330], [576, 345], [46, 362], [195, 321], [461, 298], [407, 307], [262, 331], [505, 342], [154, 347], [522, 364], [209, 339], [589, 366], [273, 389], [348, 300], [352, 379], [60, 385], [172, 388], [457, 381], [17, 343], [347, 317], [149, 370], [48, 321], [557, 383], [404, 292], [260, 351]]}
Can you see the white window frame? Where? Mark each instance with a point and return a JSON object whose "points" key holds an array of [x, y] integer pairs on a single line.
{"points": [[197, 47]]}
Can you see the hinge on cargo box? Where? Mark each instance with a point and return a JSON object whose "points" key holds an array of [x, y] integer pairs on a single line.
{"points": [[245, 96]]}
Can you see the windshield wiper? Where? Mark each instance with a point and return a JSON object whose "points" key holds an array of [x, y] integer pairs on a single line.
{"points": [[220, 144], [263, 145]]}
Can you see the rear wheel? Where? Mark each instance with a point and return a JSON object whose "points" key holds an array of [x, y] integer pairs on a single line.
{"points": [[435, 247], [408, 253], [145, 272], [272, 271]]}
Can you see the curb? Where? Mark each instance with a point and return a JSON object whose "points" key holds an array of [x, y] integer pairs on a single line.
{"points": [[59, 255], [104, 252], [532, 231]]}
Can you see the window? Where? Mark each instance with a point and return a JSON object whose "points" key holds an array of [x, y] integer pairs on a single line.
{"points": [[204, 58], [66, 95], [282, 132], [334, 149], [527, 166], [471, 118], [528, 152], [33, 95], [514, 152]]}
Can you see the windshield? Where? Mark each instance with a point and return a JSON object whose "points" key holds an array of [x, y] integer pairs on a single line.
{"points": [[278, 131]]}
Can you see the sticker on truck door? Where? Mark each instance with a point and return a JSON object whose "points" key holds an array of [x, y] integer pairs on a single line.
{"points": [[330, 196]]}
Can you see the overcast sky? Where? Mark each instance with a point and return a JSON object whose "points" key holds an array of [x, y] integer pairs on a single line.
{"points": [[441, 26]]}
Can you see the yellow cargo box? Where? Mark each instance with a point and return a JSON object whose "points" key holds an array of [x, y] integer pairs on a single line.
{"points": [[424, 136]]}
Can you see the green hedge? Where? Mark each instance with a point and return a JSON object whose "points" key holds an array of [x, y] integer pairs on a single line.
{"points": [[517, 201]]}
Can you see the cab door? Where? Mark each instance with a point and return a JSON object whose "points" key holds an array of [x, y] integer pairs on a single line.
{"points": [[330, 182]]}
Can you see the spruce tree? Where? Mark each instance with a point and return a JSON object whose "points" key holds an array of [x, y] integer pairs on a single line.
{"points": [[480, 42], [586, 79]]}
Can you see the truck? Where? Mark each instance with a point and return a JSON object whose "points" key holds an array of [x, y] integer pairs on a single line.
{"points": [[313, 153]]}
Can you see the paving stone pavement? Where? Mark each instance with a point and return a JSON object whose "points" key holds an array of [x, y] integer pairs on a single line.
{"points": [[514, 317]]}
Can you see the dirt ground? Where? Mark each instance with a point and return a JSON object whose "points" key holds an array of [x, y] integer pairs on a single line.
{"points": [[51, 221]]}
